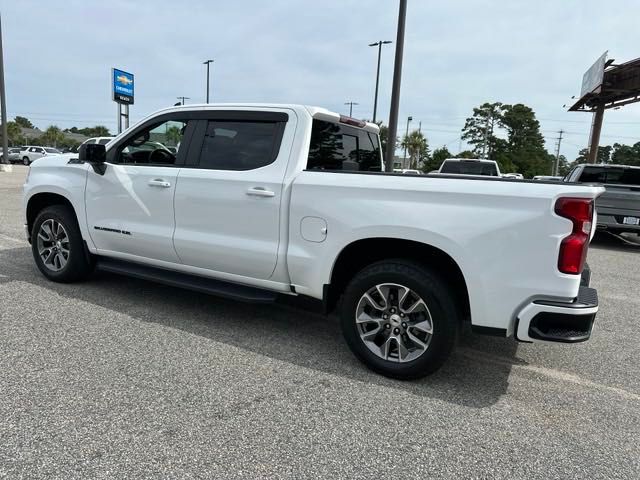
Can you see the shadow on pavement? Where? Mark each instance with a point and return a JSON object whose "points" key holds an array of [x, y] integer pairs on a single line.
{"points": [[278, 331], [609, 241]]}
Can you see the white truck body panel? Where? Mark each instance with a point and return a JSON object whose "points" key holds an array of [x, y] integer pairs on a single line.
{"points": [[279, 226]]}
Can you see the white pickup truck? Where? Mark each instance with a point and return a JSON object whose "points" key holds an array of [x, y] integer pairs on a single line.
{"points": [[256, 201]]}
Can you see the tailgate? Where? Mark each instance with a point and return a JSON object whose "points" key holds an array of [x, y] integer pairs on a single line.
{"points": [[620, 197]]}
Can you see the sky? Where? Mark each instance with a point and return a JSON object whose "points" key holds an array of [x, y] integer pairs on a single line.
{"points": [[458, 54]]}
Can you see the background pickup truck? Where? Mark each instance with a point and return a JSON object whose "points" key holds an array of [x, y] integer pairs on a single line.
{"points": [[256, 201], [619, 207]]}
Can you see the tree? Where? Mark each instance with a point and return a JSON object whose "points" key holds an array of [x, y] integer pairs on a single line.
{"points": [[438, 156], [14, 134], [466, 154], [417, 147], [479, 129], [24, 122], [604, 154], [563, 166], [626, 154], [97, 131], [524, 150], [52, 136], [172, 136]]}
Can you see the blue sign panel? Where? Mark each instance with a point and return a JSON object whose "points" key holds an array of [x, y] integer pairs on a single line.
{"points": [[122, 86]]}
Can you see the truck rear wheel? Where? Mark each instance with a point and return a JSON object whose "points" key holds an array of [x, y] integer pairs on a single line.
{"points": [[57, 245], [399, 318]]}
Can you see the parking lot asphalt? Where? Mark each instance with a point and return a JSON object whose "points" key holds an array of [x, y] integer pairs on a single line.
{"points": [[121, 378]]}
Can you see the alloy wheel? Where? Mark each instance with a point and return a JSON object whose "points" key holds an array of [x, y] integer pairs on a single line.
{"points": [[53, 245], [394, 322]]}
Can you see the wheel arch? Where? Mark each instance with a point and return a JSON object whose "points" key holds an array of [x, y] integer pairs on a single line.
{"points": [[360, 253], [39, 201]]}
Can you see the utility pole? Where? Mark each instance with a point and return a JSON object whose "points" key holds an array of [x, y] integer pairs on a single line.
{"points": [[420, 144], [406, 141], [596, 128], [207, 63], [486, 137], [554, 171], [182, 99], [395, 91], [3, 113], [351, 104], [375, 98]]}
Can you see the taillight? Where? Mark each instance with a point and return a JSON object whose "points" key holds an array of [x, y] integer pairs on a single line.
{"points": [[573, 249]]}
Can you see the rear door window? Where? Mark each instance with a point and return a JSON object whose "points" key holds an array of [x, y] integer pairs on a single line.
{"points": [[340, 147], [240, 145]]}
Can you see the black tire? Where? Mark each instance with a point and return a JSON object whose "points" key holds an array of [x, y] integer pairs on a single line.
{"points": [[25, 161], [79, 263], [436, 294]]}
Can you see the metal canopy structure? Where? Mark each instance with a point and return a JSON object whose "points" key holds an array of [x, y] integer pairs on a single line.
{"points": [[605, 86]]}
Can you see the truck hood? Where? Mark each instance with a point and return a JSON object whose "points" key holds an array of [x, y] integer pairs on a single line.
{"points": [[53, 160]]}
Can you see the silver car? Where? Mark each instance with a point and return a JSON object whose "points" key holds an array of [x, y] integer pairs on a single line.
{"points": [[13, 157]]}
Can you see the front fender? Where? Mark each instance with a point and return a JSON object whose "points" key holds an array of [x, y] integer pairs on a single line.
{"points": [[56, 176]]}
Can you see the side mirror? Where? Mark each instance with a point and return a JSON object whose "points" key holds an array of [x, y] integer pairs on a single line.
{"points": [[92, 153]]}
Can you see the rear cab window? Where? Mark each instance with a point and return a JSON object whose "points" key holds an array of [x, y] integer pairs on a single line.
{"points": [[611, 175], [335, 146], [470, 167]]}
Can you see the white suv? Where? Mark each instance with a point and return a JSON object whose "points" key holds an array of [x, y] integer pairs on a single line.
{"points": [[31, 153]]}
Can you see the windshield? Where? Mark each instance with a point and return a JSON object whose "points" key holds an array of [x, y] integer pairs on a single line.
{"points": [[104, 141], [469, 168], [52, 150], [611, 175]]}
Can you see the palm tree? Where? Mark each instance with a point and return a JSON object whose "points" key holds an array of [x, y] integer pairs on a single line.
{"points": [[417, 147], [53, 135]]}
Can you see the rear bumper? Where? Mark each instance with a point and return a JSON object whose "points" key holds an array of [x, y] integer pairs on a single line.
{"points": [[612, 219], [549, 321]]}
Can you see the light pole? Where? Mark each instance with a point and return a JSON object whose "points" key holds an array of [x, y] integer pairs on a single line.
{"points": [[406, 140], [182, 99], [207, 63], [3, 107], [395, 91], [375, 98], [351, 104]]}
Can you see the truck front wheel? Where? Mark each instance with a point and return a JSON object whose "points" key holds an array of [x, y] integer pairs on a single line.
{"points": [[399, 318], [57, 245]]}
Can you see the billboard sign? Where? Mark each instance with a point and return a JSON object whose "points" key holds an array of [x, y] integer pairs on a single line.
{"points": [[122, 86], [592, 78]]}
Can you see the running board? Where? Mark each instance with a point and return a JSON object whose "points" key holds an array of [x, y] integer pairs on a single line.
{"points": [[183, 280]]}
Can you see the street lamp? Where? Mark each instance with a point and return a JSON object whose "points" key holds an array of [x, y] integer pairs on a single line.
{"points": [[207, 63], [406, 140], [375, 99]]}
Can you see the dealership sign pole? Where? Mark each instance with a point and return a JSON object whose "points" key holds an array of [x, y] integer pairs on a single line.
{"points": [[122, 89]]}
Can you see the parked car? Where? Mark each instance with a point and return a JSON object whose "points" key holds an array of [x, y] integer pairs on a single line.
{"points": [[408, 171], [291, 200], [470, 166], [517, 176], [548, 178], [619, 207], [32, 153], [13, 156]]}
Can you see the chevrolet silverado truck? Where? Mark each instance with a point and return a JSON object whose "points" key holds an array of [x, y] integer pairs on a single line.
{"points": [[253, 202]]}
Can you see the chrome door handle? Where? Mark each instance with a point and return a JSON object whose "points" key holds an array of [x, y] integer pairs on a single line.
{"points": [[158, 182], [260, 192]]}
